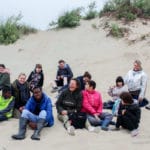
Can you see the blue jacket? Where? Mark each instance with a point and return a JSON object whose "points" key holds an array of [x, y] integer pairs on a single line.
{"points": [[44, 105]]}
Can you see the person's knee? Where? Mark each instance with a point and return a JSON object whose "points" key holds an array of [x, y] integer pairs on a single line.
{"points": [[43, 114], [25, 113]]}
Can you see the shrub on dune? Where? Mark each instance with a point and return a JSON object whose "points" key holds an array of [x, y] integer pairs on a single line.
{"points": [[91, 13], [11, 30], [69, 19], [127, 9]]}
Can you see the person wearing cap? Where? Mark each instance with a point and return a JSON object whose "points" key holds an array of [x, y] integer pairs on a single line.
{"points": [[6, 104], [36, 77]]}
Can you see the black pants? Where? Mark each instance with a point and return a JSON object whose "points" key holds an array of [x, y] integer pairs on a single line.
{"points": [[126, 123]]}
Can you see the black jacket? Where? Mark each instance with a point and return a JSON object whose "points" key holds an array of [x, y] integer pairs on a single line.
{"points": [[21, 93], [131, 117], [36, 79], [70, 101], [66, 72]]}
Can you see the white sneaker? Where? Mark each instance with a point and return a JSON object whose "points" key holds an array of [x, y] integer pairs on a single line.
{"points": [[94, 129], [71, 130], [134, 132]]}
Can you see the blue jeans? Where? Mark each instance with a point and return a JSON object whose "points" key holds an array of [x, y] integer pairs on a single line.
{"points": [[32, 117], [105, 119]]}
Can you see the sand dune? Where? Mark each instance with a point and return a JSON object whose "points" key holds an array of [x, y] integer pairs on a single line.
{"points": [[84, 48]]}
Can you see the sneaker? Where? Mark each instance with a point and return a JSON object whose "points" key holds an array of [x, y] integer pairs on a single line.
{"points": [[94, 129], [134, 132], [148, 107], [104, 128], [71, 130]]}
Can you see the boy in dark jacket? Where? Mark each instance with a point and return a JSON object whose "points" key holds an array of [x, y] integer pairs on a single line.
{"points": [[64, 75], [37, 110], [36, 77], [129, 114]]}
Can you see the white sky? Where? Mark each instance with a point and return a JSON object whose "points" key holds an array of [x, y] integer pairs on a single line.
{"points": [[39, 13]]}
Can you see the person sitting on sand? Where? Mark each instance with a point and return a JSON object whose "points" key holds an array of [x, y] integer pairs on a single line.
{"points": [[69, 106], [136, 80], [92, 106], [129, 114], [6, 104], [36, 77], [115, 92], [82, 79], [63, 77], [21, 92], [37, 110], [4, 77]]}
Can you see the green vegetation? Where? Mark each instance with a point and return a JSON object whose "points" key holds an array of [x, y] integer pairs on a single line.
{"points": [[11, 30], [117, 31], [70, 19], [92, 13], [127, 9]]}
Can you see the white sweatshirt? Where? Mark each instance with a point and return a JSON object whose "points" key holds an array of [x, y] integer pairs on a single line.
{"points": [[136, 80], [116, 91]]}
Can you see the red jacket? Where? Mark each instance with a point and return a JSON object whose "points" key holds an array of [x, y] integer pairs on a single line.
{"points": [[92, 102]]}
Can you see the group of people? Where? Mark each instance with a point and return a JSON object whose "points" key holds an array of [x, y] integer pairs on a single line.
{"points": [[79, 104]]}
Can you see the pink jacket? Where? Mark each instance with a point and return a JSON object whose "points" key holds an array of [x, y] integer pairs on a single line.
{"points": [[92, 102]]}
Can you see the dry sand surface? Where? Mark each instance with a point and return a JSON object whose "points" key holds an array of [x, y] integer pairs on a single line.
{"points": [[85, 49]]}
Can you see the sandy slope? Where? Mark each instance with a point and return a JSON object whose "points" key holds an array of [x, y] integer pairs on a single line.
{"points": [[84, 48]]}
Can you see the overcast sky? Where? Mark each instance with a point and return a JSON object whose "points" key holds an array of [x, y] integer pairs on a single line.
{"points": [[38, 13]]}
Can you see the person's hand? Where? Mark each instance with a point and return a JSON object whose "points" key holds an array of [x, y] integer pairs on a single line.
{"points": [[140, 99], [123, 112], [61, 77], [112, 87], [96, 117], [64, 112], [21, 109]]}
